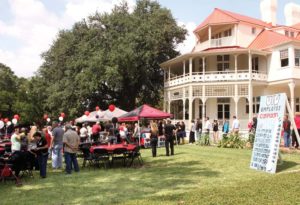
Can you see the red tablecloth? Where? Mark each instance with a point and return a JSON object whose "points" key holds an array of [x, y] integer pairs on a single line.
{"points": [[3, 144], [111, 148], [2, 150]]}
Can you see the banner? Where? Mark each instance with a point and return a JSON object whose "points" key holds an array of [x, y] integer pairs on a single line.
{"points": [[267, 136]]}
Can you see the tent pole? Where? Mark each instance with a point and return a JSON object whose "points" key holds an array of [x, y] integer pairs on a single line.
{"points": [[139, 133]]}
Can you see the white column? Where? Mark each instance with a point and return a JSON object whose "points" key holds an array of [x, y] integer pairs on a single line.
{"points": [[250, 100], [169, 73], [291, 57], [235, 66], [203, 110], [203, 64], [183, 68], [191, 66], [183, 103], [292, 91], [209, 36], [250, 66], [197, 108], [236, 34], [169, 102], [236, 99], [190, 104]]}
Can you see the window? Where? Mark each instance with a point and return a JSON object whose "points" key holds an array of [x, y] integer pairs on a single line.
{"points": [[201, 64], [253, 30], [223, 62], [286, 33], [284, 58], [227, 33], [255, 106], [255, 64], [297, 57], [292, 34], [297, 104]]}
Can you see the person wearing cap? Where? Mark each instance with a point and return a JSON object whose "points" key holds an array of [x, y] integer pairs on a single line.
{"points": [[71, 142], [41, 151]]}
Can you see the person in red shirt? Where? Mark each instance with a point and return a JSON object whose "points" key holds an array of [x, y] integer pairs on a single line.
{"points": [[47, 136], [295, 142], [96, 131]]}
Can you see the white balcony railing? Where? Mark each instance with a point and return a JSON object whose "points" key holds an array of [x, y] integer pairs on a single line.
{"points": [[216, 76], [220, 42]]}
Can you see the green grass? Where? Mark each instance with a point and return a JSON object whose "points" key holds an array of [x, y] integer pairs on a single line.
{"points": [[195, 175]]}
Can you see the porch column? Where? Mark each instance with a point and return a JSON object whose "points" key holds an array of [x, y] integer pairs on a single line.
{"points": [[235, 66], [190, 104], [183, 68], [250, 100], [169, 73], [209, 36], [169, 102], [292, 91], [291, 57], [236, 99], [203, 110], [183, 103], [250, 66], [191, 67], [236, 34], [203, 64], [197, 108]]}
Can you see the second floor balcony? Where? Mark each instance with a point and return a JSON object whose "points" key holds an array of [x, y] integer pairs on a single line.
{"points": [[216, 76], [215, 43]]}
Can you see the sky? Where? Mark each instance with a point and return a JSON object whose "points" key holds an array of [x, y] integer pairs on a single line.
{"points": [[29, 27]]}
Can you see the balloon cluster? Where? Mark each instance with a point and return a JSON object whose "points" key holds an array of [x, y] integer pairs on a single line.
{"points": [[7, 122]]}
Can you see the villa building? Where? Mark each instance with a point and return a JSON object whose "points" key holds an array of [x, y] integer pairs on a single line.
{"points": [[235, 60]]}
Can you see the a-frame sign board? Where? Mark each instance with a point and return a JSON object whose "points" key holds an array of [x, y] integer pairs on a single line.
{"points": [[267, 136]]}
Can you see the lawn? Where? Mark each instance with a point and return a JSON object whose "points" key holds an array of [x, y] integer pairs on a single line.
{"points": [[195, 175]]}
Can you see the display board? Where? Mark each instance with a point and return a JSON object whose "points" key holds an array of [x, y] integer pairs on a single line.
{"points": [[267, 136]]}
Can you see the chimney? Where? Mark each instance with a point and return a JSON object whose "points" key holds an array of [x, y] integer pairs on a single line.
{"points": [[292, 14], [268, 9]]}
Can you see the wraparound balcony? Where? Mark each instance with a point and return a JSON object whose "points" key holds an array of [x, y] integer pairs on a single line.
{"points": [[216, 76]]}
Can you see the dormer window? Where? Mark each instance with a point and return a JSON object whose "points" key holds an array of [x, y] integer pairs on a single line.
{"points": [[284, 58], [286, 33], [227, 33], [253, 30]]}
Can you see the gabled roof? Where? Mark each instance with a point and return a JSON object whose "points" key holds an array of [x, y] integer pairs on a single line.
{"points": [[219, 16], [267, 39], [297, 26]]}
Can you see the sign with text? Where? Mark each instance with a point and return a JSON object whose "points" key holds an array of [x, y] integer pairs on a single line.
{"points": [[267, 136]]}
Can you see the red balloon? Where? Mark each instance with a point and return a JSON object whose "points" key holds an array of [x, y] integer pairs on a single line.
{"points": [[111, 107], [62, 115], [87, 113], [16, 116], [6, 120], [45, 117], [97, 108]]}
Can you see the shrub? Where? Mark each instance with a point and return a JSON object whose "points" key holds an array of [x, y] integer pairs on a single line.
{"points": [[204, 140], [232, 141]]}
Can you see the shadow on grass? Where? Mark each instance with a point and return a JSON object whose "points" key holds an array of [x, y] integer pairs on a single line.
{"points": [[286, 165]]}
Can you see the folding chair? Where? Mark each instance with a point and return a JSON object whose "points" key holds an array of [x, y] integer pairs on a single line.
{"points": [[135, 154], [6, 172], [101, 155], [119, 154]]}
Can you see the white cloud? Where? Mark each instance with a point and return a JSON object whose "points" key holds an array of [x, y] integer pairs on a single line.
{"points": [[35, 26], [190, 41]]}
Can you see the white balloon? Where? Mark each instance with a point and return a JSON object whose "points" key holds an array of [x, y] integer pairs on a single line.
{"points": [[1, 124], [61, 118], [8, 123], [48, 119], [14, 121]]}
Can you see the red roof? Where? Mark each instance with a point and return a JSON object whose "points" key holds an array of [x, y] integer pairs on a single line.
{"points": [[267, 39], [144, 111], [219, 16], [297, 26]]}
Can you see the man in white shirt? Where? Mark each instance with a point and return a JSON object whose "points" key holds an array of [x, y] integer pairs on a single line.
{"points": [[235, 125], [207, 126]]}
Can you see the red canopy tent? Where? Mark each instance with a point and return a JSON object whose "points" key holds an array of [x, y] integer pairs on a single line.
{"points": [[144, 111]]}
